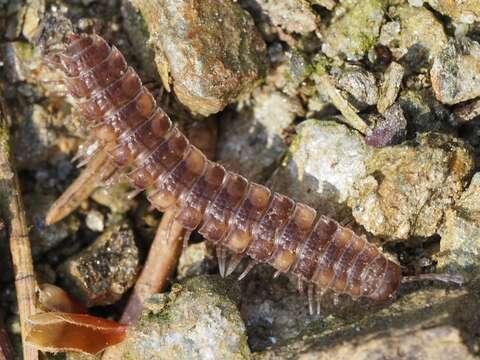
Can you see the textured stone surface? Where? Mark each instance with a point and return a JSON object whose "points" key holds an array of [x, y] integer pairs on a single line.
{"points": [[465, 11], [409, 187], [325, 160], [206, 72], [43, 237], [460, 243], [422, 323], [421, 36], [423, 111], [292, 15], [257, 133], [355, 30], [198, 319], [455, 72], [361, 86], [101, 273], [114, 197]]}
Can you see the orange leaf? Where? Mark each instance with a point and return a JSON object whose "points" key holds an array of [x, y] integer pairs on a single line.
{"points": [[56, 331]]}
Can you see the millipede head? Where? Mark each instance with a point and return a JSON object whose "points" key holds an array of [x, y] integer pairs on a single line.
{"points": [[53, 33]]}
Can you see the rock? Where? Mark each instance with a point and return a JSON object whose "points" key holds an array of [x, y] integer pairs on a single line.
{"points": [[354, 29], [460, 243], [421, 36], [16, 56], [442, 343], [423, 111], [34, 137], [14, 16], [101, 273], [43, 237], [198, 319], [466, 11], [114, 197], [33, 15], [95, 220], [419, 324], [292, 15], [257, 133], [392, 81], [325, 160], [273, 310], [455, 72], [410, 186], [206, 72], [196, 259], [361, 85], [390, 129]]}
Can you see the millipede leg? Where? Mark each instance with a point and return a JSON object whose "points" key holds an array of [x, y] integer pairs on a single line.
{"points": [[319, 294], [336, 300], [186, 238], [446, 278], [234, 261], [114, 179], [222, 259], [249, 267], [277, 274], [132, 194], [311, 298], [300, 285]]}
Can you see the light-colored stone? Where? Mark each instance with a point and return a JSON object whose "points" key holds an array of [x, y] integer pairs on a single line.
{"points": [[410, 186], [325, 160]]}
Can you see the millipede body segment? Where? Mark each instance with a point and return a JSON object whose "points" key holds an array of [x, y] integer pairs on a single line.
{"points": [[240, 217]]}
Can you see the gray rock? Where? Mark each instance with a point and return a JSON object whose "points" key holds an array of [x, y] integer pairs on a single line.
{"points": [[361, 85], [101, 273], [355, 28], [33, 15], [325, 159], [410, 186], [198, 319], [16, 55], [95, 220], [455, 72], [34, 138], [206, 72], [421, 35], [423, 111], [43, 237], [196, 259], [273, 309], [460, 243], [292, 15], [440, 343], [115, 197], [257, 133], [466, 11], [422, 323]]}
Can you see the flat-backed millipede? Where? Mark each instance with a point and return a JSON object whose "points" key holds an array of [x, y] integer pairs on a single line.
{"points": [[240, 217]]}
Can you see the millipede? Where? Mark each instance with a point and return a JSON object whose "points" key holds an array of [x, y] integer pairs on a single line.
{"points": [[241, 218]]}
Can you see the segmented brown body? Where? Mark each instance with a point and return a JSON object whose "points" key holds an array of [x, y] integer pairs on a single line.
{"points": [[243, 217]]}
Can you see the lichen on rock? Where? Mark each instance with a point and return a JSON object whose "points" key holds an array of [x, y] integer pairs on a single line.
{"points": [[198, 319], [409, 187]]}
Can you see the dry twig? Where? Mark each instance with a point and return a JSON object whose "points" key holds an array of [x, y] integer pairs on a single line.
{"points": [[347, 110], [12, 207], [98, 170]]}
